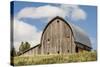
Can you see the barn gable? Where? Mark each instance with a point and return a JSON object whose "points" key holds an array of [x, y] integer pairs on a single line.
{"points": [[80, 38], [79, 34], [57, 37]]}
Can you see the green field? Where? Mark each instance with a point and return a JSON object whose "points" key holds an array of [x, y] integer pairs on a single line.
{"points": [[58, 58]]}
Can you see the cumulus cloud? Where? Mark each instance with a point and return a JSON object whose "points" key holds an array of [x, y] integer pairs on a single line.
{"points": [[78, 14], [40, 12], [25, 32], [73, 12]]}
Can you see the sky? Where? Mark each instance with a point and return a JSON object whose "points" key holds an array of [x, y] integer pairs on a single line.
{"points": [[30, 18]]}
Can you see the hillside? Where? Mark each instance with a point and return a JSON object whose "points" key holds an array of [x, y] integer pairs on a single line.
{"points": [[52, 59]]}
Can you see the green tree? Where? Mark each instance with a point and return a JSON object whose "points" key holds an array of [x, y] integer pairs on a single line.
{"points": [[21, 47], [24, 46]]}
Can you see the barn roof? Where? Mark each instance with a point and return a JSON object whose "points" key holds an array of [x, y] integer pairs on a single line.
{"points": [[78, 33], [30, 49]]}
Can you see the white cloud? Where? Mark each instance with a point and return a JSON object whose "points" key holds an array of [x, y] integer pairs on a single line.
{"points": [[25, 32], [40, 12], [74, 12], [71, 11], [78, 14]]}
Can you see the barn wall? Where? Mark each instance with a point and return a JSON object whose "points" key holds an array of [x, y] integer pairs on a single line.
{"points": [[33, 51], [57, 38]]}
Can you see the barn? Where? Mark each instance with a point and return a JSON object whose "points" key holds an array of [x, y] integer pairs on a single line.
{"points": [[61, 37]]}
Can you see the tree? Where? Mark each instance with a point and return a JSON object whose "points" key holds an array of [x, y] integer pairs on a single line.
{"points": [[24, 46], [21, 47]]}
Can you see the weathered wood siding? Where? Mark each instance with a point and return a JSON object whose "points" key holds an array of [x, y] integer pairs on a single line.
{"points": [[57, 38], [33, 51]]}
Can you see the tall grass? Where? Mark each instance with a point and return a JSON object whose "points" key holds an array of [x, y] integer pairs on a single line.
{"points": [[58, 58]]}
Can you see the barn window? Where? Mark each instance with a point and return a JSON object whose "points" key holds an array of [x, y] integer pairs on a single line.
{"points": [[57, 21], [76, 49], [58, 52], [48, 39], [48, 53], [68, 51]]}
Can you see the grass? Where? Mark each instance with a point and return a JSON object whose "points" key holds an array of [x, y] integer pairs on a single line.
{"points": [[58, 58]]}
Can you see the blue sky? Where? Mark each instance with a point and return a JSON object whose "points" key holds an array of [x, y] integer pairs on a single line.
{"points": [[86, 19]]}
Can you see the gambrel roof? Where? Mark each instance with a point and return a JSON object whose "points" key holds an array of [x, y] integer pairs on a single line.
{"points": [[78, 33]]}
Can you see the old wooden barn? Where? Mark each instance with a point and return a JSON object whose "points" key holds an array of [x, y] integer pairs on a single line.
{"points": [[61, 37]]}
